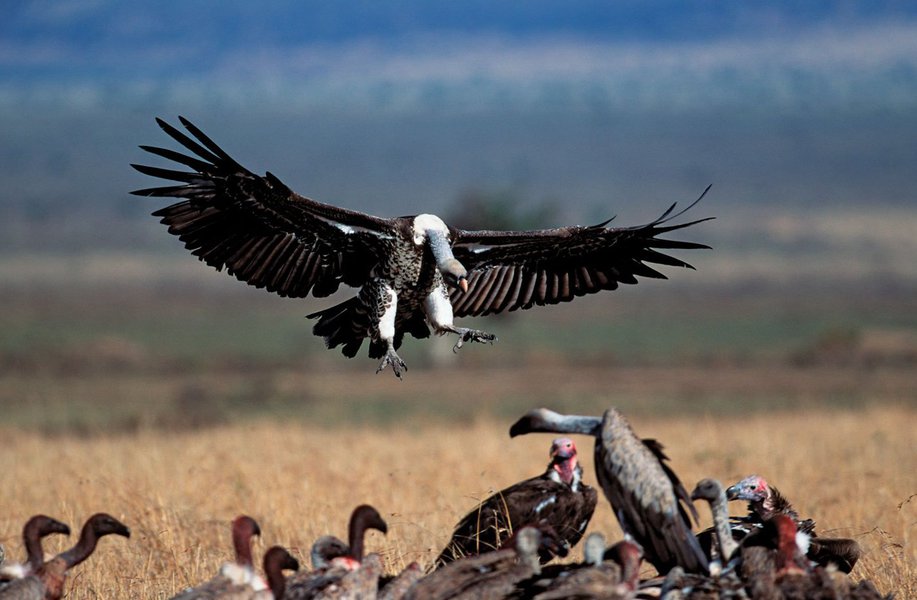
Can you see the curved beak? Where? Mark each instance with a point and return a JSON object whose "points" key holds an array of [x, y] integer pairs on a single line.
{"points": [[463, 284]]}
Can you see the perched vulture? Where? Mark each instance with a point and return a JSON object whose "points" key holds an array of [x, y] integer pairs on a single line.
{"points": [[711, 491], [557, 497], [775, 564], [645, 494], [276, 561], [236, 576], [609, 574], [329, 551], [33, 531], [495, 574], [334, 570], [413, 273], [47, 583], [765, 501]]}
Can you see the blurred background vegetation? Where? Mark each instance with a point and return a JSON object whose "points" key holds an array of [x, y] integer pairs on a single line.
{"points": [[492, 115]]}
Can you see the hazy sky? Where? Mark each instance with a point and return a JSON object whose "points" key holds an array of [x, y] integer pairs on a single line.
{"points": [[390, 105]]}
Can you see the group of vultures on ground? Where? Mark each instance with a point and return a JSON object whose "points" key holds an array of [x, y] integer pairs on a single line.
{"points": [[415, 274], [499, 548]]}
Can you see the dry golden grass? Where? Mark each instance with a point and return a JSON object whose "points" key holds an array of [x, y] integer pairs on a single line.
{"points": [[854, 472]]}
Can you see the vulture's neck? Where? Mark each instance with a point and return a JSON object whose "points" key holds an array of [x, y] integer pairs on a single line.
{"points": [[719, 506], [568, 472], [243, 546], [84, 547], [34, 555]]}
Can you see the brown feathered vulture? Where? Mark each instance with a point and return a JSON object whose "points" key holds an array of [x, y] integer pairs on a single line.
{"points": [[414, 273], [336, 561], [33, 531], [765, 502], [47, 583], [558, 497], [646, 496]]}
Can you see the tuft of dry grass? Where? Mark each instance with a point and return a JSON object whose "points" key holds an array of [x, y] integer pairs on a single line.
{"points": [[855, 472]]}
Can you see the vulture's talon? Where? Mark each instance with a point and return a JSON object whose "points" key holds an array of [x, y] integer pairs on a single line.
{"points": [[392, 359], [472, 335]]}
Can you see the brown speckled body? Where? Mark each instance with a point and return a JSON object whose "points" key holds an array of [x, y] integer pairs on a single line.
{"points": [[643, 497]]}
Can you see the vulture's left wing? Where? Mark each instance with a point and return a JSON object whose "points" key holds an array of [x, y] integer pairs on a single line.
{"points": [[509, 270]]}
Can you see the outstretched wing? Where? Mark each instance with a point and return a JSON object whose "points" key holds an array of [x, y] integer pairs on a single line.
{"points": [[257, 228], [509, 270]]}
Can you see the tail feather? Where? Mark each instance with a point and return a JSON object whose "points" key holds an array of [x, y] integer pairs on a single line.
{"points": [[345, 324]]}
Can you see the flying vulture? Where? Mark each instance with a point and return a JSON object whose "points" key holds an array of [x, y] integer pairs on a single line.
{"points": [[646, 496], [414, 273], [557, 497]]}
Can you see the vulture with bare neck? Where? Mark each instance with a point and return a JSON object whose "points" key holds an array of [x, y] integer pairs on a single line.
{"points": [[236, 576], [646, 496], [33, 531], [47, 583], [332, 567], [795, 577], [414, 273], [557, 497], [765, 501]]}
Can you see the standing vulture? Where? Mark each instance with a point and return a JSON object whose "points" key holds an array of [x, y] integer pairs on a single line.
{"points": [[413, 273], [557, 497], [645, 494]]}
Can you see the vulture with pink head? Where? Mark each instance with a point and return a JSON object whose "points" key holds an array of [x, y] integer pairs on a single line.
{"points": [[765, 502], [558, 497], [651, 504]]}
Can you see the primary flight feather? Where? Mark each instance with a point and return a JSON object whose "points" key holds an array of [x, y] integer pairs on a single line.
{"points": [[414, 273]]}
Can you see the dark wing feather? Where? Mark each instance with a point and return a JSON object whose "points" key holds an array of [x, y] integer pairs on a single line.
{"points": [[684, 498], [258, 229], [556, 265], [528, 502]]}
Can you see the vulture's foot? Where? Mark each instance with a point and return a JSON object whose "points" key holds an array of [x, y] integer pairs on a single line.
{"points": [[472, 335], [392, 359]]}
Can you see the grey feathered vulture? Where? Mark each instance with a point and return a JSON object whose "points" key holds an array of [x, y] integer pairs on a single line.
{"points": [[414, 273], [645, 494]]}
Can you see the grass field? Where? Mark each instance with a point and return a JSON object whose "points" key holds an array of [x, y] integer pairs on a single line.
{"points": [[177, 400], [851, 470]]}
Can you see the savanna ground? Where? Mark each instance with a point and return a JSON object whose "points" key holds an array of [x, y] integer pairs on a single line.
{"points": [[177, 400]]}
